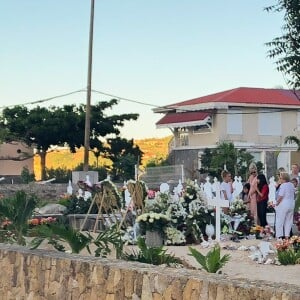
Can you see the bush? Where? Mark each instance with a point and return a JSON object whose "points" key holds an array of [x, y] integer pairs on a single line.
{"points": [[26, 176], [61, 175], [151, 255], [80, 206], [212, 262]]}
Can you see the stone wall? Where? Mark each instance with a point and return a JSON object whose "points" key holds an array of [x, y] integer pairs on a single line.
{"points": [[48, 192], [38, 274]]}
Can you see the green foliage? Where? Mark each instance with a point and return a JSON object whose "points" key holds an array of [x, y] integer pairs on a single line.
{"points": [[124, 156], [57, 233], [26, 176], [80, 206], [292, 139], [61, 175], [111, 236], [45, 127], [151, 255], [226, 155], [16, 211], [288, 257], [286, 47], [157, 162], [212, 262]]}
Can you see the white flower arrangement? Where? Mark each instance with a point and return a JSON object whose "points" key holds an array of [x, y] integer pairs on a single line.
{"points": [[152, 221], [238, 207], [195, 206], [174, 236]]}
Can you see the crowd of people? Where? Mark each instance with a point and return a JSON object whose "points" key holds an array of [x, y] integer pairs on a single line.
{"points": [[255, 195]]}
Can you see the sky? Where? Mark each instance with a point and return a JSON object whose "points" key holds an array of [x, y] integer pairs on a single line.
{"points": [[157, 52]]}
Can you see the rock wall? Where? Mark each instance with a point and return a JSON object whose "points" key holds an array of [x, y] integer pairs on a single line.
{"points": [[49, 192], [38, 274]]}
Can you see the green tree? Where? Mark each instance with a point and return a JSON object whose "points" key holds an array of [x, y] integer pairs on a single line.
{"points": [[286, 48], [124, 156], [39, 127], [43, 127], [226, 156]]}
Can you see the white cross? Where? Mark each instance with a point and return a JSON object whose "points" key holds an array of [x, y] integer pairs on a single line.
{"points": [[218, 203]]}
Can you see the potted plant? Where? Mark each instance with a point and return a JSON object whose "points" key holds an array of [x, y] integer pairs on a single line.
{"points": [[153, 224]]}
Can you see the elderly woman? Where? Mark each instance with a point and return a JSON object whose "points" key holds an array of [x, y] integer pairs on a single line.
{"points": [[285, 204]]}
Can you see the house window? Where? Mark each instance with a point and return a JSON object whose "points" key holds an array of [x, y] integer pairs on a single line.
{"points": [[183, 136], [234, 121], [269, 122]]}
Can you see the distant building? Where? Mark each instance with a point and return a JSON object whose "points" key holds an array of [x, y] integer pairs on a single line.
{"points": [[14, 156], [255, 119]]}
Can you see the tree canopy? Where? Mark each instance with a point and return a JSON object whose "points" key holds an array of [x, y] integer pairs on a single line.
{"points": [[43, 127], [226, 156], [286, 48]]}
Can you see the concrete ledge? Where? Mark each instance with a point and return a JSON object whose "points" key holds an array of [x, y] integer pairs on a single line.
{"points": [[40, 274]]}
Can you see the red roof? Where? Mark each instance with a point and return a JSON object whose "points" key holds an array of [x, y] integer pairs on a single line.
{"points": [[248, 96], [171, 118]]}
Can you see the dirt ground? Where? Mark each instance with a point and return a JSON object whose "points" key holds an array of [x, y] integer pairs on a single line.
{"points": [[240, 264]]}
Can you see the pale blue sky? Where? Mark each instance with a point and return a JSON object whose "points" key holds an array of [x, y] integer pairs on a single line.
{"points": [[154, 51]]}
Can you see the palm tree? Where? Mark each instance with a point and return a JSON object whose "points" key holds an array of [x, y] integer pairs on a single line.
{"points": [[291, 139], [15, 212]]}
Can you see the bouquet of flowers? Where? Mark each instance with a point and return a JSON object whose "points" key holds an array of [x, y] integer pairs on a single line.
{"points": [[152, 221], [41, 221], [237, 207], [288, 251], [258, 231], [174, 236], [261, 232], [295, 243]]}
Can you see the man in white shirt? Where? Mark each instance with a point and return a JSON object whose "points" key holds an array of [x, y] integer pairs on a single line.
{"points": [[226, 186]]}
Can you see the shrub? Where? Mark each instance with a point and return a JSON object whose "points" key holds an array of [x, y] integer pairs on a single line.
{"points": [[61, 175], [26, 176], [212, 262], [151, 255]]}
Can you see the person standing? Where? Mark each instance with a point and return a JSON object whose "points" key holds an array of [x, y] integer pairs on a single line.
{"points": [[226, 186], [285, 207], [252, 192], [262, 190], [295, 172]]}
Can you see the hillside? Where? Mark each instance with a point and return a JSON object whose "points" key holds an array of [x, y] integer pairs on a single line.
{"points": [[62, 158]]}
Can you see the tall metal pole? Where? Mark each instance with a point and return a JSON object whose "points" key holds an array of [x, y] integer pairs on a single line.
{"points": [[88, 96]]}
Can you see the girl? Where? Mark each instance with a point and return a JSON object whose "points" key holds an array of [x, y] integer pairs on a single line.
{"points": [[262, 190], [245, 195]]}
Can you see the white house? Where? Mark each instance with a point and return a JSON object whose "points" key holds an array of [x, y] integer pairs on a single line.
{"points": [[255, 119]]}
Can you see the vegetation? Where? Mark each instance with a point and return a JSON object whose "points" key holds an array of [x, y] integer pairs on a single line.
{"points": [[212, 262], [26, 176], [151, 255], [65, 160], [226, 156], [57, 233], [15, 212], [288, 257], [286, 47], [47, 127]]}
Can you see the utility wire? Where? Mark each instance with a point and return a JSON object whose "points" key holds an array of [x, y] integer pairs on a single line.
{"points": [[126, 99], [44, 100], [176, 108]]}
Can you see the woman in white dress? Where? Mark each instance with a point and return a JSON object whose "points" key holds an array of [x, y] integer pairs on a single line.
{"points": [[285, 204]]}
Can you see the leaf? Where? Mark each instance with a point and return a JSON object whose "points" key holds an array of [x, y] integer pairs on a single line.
{"points": [[212, 261]]}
